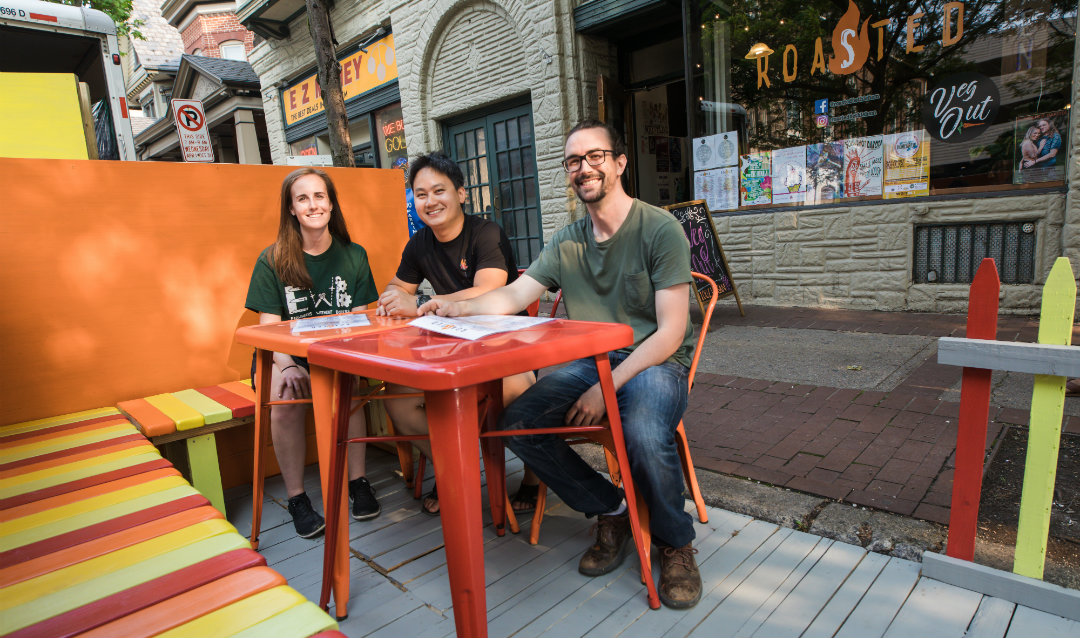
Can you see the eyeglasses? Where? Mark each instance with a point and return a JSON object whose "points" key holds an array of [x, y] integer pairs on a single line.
{"points": [[594, 158]]}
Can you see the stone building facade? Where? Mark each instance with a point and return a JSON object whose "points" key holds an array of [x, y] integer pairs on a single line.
{"points": [[462, 62]]}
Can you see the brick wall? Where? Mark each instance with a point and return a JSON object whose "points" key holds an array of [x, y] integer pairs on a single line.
{"points": [[207, 32]]}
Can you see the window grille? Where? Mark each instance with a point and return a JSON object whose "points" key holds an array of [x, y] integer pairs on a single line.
{"points": [[951, 253]]}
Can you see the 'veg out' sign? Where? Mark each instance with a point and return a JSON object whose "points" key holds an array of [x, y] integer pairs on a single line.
{"points": [[190, 119]]}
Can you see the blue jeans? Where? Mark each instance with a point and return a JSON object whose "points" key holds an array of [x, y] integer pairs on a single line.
{"points": [[651, 405]]}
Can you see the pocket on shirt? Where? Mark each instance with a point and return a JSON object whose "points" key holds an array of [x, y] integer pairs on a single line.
{"points": [[637, 289]]}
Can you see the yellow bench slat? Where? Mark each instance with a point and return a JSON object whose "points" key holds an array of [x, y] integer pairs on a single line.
{"points": [[12, 485], [185, 416], [36, 447], [240, 615], [306, 619], [63, 419], [211, 410]]}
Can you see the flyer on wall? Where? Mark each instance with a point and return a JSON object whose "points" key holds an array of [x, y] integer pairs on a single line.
{"points": [[824, 172], [716, 151], [718, 187], [864, 159], [789, 175], [907, 165], [755, 178], [1039, 150]]}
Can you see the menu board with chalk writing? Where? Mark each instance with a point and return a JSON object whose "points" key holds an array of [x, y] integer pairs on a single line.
{"points": [[706, 254]]}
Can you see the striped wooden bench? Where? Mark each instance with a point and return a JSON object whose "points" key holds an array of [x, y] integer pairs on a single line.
{"points": [[101, 536], [193, 416]]}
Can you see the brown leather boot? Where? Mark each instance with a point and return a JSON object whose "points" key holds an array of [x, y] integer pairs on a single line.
{"points": [[612, 536], [680, 581]]}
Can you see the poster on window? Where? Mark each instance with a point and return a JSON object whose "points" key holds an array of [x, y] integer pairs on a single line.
{"points": [[755, 178], [1039, 150], [864, 164], [907, 165], [718, 187], [789, 175], [824, 172], [716, 151]]}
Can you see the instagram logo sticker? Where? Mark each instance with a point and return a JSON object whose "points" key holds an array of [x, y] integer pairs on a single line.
{"points": [[821, 120]]}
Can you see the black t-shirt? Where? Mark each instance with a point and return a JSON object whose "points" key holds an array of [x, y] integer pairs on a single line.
{"points": [[452, 266]]}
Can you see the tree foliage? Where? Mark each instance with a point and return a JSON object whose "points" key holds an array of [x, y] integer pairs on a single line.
{"points": [[118, 10]]}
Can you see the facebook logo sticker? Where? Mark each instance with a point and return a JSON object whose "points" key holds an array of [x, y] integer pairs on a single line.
{"points": [[821, 107]]}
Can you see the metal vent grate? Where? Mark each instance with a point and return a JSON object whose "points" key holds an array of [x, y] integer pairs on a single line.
{"points": [[950, 253]]}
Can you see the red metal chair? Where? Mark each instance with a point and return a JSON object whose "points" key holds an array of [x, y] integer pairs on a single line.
{"points": [[684, 445]]}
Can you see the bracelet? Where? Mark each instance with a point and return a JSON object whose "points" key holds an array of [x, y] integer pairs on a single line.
{"points": [[287, 367]]}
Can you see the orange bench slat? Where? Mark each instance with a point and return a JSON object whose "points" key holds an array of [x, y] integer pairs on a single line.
{"points": [[150, 420]]}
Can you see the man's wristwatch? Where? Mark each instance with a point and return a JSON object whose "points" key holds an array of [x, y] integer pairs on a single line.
{"points": [[422, 299]]}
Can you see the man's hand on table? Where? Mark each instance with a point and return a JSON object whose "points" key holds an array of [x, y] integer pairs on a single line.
{"points": [[443, 308], [396, 302]]}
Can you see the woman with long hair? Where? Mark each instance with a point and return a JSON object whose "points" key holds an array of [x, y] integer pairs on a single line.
{"points": [[313, 268]]}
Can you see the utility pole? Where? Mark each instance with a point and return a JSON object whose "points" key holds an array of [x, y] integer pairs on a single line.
{"points": [[337, 121]]}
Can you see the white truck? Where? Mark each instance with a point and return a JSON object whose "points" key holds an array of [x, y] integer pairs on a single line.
{"points": [[44, 37]]}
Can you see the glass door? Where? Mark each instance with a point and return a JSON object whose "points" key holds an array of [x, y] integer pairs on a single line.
{"points": [[497, 154]]}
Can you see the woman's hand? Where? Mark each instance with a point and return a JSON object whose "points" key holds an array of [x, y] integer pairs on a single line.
{"points": [[293, 382]]}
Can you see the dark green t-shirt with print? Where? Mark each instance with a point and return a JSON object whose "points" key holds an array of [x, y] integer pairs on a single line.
{"points": [[616, 280], [341, 277]]}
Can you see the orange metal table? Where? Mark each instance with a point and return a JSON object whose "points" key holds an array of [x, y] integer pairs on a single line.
{"points": [[455, 376], [279, 337]]}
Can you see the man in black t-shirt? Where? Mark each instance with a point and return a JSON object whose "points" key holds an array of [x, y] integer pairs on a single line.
{"points": [[462, 256]]}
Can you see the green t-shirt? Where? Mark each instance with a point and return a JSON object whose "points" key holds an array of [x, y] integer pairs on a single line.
{"points": [[342, 281], [616, 280]]}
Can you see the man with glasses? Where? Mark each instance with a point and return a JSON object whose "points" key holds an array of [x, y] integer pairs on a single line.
{"points": [[625, 262]]}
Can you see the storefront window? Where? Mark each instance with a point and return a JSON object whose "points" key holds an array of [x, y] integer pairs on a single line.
{"points": [[809, 101], [391, 133]]}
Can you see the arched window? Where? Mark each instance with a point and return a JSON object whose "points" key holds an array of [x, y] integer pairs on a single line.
{"points": [[232, 50]]}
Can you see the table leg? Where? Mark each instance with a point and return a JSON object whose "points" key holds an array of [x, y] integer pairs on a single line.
{"points": [[263, 359], [638, 524], [323, 395], [453, 428]]}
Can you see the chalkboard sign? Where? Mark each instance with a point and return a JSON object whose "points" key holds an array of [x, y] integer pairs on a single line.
{"points": [[706, 254]]}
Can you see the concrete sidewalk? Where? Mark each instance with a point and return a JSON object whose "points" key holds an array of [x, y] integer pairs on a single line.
{"points": [[849, 405]]}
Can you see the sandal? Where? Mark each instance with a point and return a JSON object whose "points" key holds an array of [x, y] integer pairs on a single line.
{"points": [[526, 495], [432, 495]]}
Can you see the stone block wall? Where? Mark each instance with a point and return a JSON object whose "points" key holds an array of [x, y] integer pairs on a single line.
{"points": [[861, 256]]}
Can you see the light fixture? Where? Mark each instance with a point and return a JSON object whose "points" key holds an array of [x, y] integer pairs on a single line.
{"points": [[759, 50]]}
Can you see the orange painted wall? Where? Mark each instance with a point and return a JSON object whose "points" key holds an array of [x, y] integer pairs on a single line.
{"points": [[127, 279]]}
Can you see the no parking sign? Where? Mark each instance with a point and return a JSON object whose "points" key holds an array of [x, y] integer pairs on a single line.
{"points": [[190, 121]]}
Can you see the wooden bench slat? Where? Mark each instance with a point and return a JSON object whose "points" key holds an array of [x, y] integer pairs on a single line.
{"points": [[241, 389], [85, 481], [53, 421], [240, 615], [302, 620], [17, 524], [73, 621], [105, 528], [69, 598], [30, 448], [150, 420], [184, 416], [211, 411], [190, 605], [74, 496], [61, 430], [78, 453], [69, 576], [43, 564], [31, 481], [85, 519], [240, 406]]}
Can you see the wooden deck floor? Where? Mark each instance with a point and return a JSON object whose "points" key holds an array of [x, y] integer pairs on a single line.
{"points": [[760, 579]]}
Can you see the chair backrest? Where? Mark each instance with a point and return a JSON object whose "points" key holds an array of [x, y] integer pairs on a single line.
{"points": [[555, 306], [704, 324]]}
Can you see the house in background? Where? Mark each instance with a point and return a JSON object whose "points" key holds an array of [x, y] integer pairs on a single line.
{"points": [[195, 50]]}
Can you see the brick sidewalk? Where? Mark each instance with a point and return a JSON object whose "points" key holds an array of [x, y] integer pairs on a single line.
{"points": [[888, 450]]}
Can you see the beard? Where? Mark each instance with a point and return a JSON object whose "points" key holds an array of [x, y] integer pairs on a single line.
{"points": [[596, 195]]}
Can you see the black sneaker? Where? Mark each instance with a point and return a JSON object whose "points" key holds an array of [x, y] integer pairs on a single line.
{"points": [[362, 495], [306, 520]]}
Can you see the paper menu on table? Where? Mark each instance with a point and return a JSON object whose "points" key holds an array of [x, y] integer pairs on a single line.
{"points": [[329, 322], [476, 326]]}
